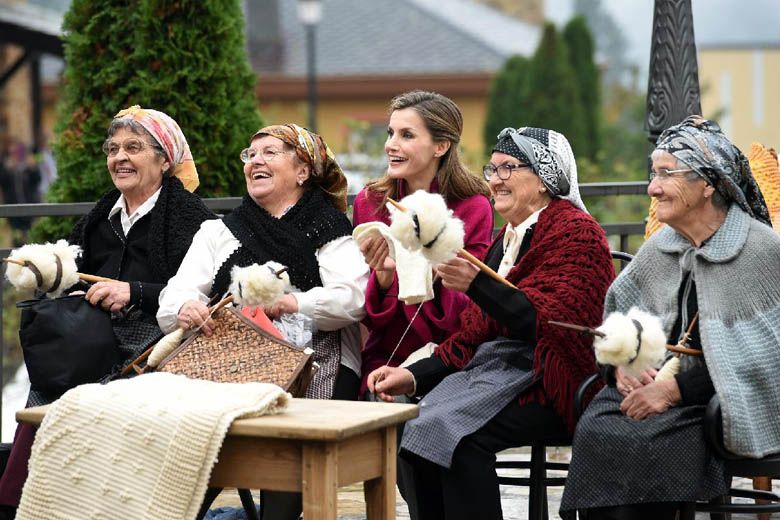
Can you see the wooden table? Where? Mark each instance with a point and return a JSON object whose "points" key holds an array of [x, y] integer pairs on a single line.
{"points": [[314, 447]]}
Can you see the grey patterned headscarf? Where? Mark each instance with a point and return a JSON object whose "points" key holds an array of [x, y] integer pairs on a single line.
{"points": [[549, 154], [701, 145]]}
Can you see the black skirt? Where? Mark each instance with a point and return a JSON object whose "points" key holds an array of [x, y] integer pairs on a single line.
{"points": [[617, 460]]}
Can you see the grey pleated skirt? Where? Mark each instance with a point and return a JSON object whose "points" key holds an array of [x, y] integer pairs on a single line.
{"points": [[617, 460]]}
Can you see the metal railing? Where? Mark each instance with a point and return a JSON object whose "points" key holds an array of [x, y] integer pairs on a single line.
{"points": [[623, 230]]}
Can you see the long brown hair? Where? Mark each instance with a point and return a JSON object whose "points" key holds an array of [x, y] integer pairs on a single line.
{"points": [[444, 121]]}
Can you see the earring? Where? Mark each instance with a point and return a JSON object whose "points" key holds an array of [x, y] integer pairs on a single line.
{"points": [[300, 182]]}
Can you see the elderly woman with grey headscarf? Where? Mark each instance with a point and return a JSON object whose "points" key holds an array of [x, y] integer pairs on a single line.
{"points": [[639, 450], [507, 378]]}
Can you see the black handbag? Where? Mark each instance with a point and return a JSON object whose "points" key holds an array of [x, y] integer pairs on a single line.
{"points": [[66, 342]]}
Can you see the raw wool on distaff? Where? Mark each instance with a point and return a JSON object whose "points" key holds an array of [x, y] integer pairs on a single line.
{"points": [[415, 281], [44, 257], [258, 284], [136, 448], [427, 224], [628, 346]]}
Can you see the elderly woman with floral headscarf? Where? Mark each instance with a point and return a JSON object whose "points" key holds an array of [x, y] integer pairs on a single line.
{"points": [[136, 234], [507, 378], [293, 214], [639, 451]]}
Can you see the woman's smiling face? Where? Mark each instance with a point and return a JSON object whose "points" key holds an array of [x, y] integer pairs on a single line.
{"points": [[137, 175], [273, 181], [522, 193], [411, 151]]}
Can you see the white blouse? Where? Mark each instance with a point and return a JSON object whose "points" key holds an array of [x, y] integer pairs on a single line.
{"points": [[338, 304]]}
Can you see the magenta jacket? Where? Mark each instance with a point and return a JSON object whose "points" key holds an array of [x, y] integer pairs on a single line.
{"points": [[387, 317]]}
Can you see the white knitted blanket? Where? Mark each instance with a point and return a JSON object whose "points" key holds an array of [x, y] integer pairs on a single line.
{"points": [[136, 448]]}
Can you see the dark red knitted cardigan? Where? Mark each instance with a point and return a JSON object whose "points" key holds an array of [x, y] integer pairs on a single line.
{"points": [[565, 275]]}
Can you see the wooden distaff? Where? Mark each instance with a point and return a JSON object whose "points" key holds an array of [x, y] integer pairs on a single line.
{"points": [[681, 347], [468, 256], [91, 278], [579, 328]]}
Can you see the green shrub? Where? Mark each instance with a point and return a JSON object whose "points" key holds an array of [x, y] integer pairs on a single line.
{"points": [[186, 58], [579, 42], [507, 99]]}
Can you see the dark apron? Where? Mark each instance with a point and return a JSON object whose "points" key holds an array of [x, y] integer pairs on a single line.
{"points": [[466, 400]]}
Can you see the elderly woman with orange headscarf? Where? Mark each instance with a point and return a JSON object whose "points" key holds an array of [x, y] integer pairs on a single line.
{"points": [[137, 234], [293, 214]]}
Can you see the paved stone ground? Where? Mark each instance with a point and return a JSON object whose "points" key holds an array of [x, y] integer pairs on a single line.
{"points": [[514, 499]]}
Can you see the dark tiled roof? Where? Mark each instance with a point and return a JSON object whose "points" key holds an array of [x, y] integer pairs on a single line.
{"points": [[390, 37]]}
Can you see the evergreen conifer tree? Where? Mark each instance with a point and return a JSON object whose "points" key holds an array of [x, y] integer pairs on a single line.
{"points": [[186, 58], [580, 45], [507, 99], [553, 101]]}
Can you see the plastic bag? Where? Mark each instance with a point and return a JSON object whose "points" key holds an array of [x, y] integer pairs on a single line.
{"points": [[297, 328]]}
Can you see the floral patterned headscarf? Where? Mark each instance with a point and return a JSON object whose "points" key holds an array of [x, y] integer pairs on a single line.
{"points": [[701, 145], [549, 154], [312, 149], [169, 136]]}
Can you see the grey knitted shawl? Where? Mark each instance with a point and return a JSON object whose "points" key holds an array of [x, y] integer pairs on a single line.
{"points": [[737, 274]]}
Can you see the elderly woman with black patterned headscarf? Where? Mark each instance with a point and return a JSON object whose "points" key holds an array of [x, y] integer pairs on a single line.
{"points": [[639, 450], [507, 377]]}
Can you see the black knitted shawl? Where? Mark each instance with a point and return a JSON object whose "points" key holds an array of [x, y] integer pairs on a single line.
{"points": [[175, 219], [291, 240]]}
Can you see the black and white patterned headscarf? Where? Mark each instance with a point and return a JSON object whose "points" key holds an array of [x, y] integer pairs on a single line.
{"points": [[549, 154], [701, 145]]}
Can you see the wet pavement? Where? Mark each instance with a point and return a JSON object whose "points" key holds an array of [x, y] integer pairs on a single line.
{"points": [[514, 499]]}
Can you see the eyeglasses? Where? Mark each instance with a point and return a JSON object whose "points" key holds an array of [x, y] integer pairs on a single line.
{"points": [[503, 171], [132, 146], [663, 174], [248, 154]]}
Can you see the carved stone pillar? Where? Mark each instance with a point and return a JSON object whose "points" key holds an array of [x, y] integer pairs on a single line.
{"points": [[673, 84]]}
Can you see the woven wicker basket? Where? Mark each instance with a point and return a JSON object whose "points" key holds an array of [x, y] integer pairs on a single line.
{"points": [[241, 352]]}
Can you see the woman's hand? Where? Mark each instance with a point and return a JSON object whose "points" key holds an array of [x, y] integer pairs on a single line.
{"points": [[385, 382], [651, 399], [111, 296], [376, 253], [457, 274], [193, 314], [627, 384], [287, 304]]}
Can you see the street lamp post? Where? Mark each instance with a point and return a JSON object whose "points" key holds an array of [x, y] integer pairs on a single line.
{"points": [[310, 14]]}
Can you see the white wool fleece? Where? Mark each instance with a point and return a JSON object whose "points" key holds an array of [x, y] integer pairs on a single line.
{"points": [[436, 225], [620, 344], [258, 284], [43, 256]]}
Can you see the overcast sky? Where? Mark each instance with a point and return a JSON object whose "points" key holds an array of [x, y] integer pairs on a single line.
{"points": [[745, 22]]}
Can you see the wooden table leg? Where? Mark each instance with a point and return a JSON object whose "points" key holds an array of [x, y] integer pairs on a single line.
{"points": [[320, 480], [380, 492]]}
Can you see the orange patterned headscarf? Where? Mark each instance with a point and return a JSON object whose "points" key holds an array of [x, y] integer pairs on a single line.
{"points": [[169, 136], [312, 149]]}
